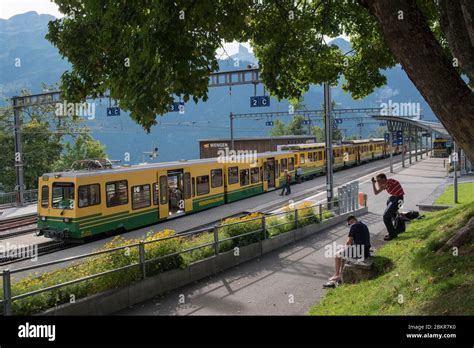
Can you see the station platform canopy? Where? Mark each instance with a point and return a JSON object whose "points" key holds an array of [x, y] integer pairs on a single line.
{"points": [[395, 123]]}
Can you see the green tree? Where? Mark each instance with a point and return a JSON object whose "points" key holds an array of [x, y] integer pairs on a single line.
{"points": [[84, 147], [278, 129], [143, 55], [44, 133], [320, 135]]}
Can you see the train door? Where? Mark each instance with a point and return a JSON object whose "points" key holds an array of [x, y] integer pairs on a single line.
{"points": [[188, 202], [176, 201], [162, 178], [269, 175]]}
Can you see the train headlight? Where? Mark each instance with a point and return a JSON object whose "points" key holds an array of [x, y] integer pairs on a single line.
{"points": [[67, 220], [43, 218]]}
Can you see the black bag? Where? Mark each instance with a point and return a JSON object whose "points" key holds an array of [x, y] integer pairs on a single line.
{"points": [[399, 225], [412, 214]]}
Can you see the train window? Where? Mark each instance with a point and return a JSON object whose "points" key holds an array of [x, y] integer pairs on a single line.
{"points": [[155, 193], [88, 195], [44, 196], [310, 157], [291, 163], [302, 158], [284, 164], [193, 186], [140, 196], [254, 175], [187, 185], [117, 193], [202, 185], [164, 189], [261, 174], [244, 177], [233, 175], [63, 195], [216, 178]]}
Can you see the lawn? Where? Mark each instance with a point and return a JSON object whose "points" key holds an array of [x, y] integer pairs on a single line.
{"points": [[465, 194], [418, 281]]}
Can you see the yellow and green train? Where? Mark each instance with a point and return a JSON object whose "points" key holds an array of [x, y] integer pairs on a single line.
{"points": [[74, 205]]}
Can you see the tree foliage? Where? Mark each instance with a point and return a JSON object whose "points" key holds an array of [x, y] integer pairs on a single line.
{"points": [[50, 142], [144, 54]]}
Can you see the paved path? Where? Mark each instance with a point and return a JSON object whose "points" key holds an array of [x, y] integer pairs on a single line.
{"points": [[289, 280]]}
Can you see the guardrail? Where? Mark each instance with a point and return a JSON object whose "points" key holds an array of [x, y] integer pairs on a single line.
{"points": [[9, 199], [265, 226]]}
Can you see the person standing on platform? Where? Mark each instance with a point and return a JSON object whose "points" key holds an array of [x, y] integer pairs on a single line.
{"points": [[394, 202], [286, 183]]}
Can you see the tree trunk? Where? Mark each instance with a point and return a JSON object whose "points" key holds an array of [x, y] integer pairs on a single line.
{"points": [[413, 44]]}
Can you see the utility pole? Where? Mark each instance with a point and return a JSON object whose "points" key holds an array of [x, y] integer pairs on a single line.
{"points": [[390, 144], [20, 185], [231, 118], [454, 157], [328, 129]]}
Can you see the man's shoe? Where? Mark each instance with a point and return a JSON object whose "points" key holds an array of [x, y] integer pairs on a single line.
{"points": [[387, 238]]}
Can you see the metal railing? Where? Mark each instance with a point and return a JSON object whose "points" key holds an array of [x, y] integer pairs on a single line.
{"points": [[9, 199], [294, 218]]}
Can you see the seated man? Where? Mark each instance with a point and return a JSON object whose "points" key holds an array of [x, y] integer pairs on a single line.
{"points": [[357, 246]]}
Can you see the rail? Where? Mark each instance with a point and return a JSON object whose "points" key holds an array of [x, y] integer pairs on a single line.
{"points": [[265, 226]]}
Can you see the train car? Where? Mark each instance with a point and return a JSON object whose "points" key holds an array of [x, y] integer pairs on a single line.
{"points": [[74, 205], [78, 204], [378, 148], [310, 157]]}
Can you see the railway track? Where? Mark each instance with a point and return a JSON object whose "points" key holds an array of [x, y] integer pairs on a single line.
{"points": [[15, 222]]}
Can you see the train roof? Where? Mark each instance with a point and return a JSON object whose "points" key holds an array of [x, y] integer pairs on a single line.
{"points": [[145, 166]]}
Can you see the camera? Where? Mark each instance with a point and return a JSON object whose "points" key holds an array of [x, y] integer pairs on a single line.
{"points": [[373, 179]]}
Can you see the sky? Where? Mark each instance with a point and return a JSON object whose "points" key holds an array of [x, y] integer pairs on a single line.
{"points": [[9, 8]]}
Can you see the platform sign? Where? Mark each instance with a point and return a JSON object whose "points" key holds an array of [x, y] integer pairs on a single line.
{"points": [[386, 137], [269, 123], [306, 122], [177, 106], [338, 120], [259, 101], [113, 111], [398, 138]]}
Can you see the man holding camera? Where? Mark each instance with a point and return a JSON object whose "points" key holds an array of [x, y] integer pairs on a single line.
{"points": [[394, 202]]}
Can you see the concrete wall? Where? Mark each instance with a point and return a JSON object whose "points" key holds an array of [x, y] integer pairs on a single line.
{"points": [[112, 301]]}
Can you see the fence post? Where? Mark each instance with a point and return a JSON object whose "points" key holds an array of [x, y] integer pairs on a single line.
{"points": [[141, 253], [264, 227], [320, 212], [296, 218], [7, 294], [216, 239]]}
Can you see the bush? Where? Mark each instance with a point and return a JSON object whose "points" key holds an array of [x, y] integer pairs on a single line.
{"points": [[278, 224], [307, 214], [204, 252], [162, 248], [248, 223]]}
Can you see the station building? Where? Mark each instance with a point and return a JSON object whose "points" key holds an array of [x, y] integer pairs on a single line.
{"points": [[208, 147]]}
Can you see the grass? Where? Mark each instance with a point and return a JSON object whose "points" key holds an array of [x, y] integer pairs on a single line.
{"points": [[465, 194], [420, 281]]}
